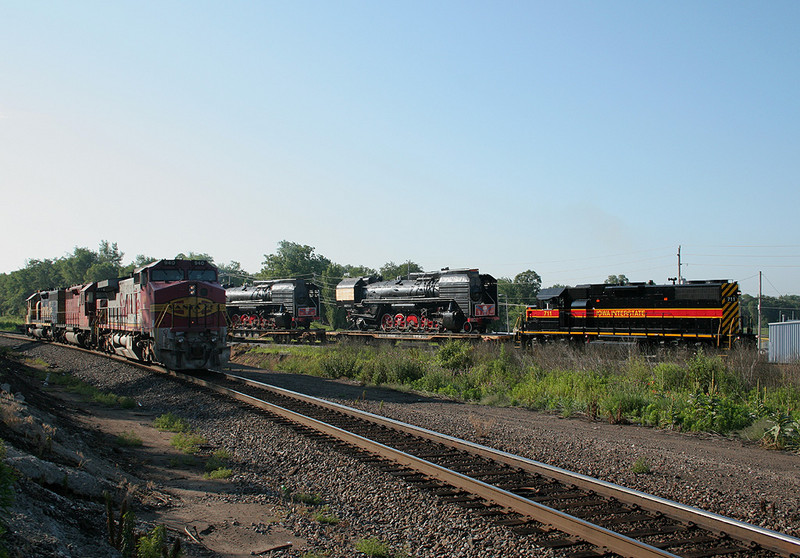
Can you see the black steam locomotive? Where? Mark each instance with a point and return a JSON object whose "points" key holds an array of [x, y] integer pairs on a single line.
{"points": [[455, 300], [273, 305], [697, 312]]}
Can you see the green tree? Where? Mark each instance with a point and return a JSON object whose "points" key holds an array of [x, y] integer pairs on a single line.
{"points": [[232, 274], [139, 261], [516, 295], [293, 260], [101, 271], [358, 271], [73, 268], [617, 280], [333, 315], [194, 256], [391, 270], [109, 253]]}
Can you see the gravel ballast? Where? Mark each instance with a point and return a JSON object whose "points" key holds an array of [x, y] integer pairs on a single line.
{"points": [[726, 476]]}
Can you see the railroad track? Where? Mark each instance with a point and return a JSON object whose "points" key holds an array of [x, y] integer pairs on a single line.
{"points": [[578, 515]]}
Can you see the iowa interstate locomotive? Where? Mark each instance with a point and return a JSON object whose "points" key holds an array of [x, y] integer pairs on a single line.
{"points": [[276, 304], [170, 312], [695, 312], [457, 300]]}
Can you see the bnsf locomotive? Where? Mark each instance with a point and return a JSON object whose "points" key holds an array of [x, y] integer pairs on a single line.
{"points": [[171, 312], [697, 311], [457, 300], [277, 304]]}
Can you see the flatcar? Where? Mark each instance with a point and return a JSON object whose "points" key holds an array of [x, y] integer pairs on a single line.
{"points": [[170, 312], [273, 305], [692, 312], [452, 300]]}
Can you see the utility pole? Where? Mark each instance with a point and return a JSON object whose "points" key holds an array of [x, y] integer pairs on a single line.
{"points": [[680, 280], [758, 326]]}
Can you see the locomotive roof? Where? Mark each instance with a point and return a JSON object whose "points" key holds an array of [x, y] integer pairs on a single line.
{"points": [[182, 264]]}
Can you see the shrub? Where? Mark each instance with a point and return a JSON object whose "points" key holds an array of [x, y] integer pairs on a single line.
{"points": [[341, 363], [640, 467], [171, 423], [455, 355], [373, 547], [220, 473], [154, 545], [307, 498], [128, 439], [325, 516], [187, 443]]}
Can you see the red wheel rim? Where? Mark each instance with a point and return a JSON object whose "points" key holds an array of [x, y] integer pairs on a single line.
{"points": [[412, 322], [387, 322], [400, 321]]}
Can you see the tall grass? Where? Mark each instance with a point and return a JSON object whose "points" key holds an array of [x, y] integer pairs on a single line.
{"points": [[687, 389]]}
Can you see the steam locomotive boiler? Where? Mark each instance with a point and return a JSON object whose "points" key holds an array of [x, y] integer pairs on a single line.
{"points": [[454, 300], [697, 312], [270, 305]]}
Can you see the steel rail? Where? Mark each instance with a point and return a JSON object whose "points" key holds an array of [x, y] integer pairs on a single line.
{"points": [[586, 531], [774, 541]]}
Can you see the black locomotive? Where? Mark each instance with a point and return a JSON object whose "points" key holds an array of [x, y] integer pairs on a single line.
{"points": [[273, 305], [455, 300], [696, 311]]}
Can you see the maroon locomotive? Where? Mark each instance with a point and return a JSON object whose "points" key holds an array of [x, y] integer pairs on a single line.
{"points": [[171, 312]]}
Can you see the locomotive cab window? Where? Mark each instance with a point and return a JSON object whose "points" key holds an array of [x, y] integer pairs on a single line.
{"points": [[166, 275], [207, 275]]}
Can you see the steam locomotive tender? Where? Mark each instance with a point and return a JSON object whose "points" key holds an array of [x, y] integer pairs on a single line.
{"points": [[171, 312], [697, 312], [457, 300], [277, 304]]}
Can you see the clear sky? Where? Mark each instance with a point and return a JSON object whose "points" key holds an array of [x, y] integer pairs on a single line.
{"points": [[577, 139]]}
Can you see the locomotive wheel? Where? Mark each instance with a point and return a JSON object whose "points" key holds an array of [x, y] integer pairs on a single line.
{"points": [[467, 327], [387, 322], [412, 322], [400, 321]]}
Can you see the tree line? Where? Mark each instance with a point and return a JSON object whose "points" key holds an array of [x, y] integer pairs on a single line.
{"points": [[299, 260], [289, 260]]}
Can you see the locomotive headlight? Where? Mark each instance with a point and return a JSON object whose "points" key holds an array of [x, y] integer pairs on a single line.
{"points": [[192, 289]]}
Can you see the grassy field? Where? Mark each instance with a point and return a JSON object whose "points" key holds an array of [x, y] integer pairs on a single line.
{"points": [[11, 323], [683, 389]]}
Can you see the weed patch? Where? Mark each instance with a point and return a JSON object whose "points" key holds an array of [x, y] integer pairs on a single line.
{"points": [[169, 422], [187, 443], [128, 440]]}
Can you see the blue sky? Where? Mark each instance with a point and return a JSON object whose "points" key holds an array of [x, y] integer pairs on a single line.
{"points": [[577, 139]]}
